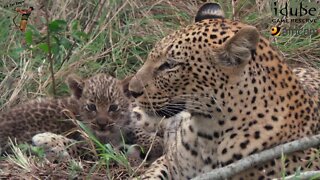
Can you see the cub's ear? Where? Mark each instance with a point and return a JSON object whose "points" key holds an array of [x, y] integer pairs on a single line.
{"points": [[125, 86], [76, 85], [209, 11], [239, 48]]}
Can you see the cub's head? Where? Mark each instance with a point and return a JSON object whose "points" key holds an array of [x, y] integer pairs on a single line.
{"points": [[104, 107], [184, 68]]}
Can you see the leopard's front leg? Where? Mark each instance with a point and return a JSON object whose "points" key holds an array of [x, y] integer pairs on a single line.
{"points": [[158, 170], [146, 140]]}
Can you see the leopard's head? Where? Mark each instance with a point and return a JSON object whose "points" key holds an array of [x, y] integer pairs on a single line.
{"points": [[185, 68], [104, 107]]}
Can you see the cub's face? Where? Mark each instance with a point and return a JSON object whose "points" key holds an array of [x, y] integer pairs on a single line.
{"points": [[103, 106]]}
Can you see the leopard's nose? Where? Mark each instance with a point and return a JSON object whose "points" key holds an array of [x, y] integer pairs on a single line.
{"points": [[136, 86], [136, 94]]}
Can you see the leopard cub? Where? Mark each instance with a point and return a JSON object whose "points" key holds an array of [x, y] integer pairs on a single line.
{"points": [[100, 102], [20, 123]]}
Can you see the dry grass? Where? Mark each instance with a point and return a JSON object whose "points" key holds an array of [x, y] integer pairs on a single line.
{"points": [[116, 37]]}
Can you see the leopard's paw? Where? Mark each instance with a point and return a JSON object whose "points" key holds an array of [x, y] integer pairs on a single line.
{"points": [[55, 146]]}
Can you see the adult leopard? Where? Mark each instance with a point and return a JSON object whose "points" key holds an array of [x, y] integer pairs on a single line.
{"points": [[232, 94]]}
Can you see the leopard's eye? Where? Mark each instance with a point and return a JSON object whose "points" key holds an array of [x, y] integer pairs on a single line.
{"points": [[91, 107], [169, 64], [113, 108], [164, 66]]}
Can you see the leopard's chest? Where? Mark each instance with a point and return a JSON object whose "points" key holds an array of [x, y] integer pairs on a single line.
{"points": [[191, 151]]}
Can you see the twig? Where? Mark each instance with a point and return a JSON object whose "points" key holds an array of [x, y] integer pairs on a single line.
{"points": [[50, 54], [259, 158], [303, 176], [233, 4]]}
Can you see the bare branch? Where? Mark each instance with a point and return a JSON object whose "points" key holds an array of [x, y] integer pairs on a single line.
{"points": [[304, 176], [50, 53], [261, 157]]}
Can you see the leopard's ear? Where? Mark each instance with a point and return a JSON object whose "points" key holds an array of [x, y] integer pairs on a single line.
{"points": [[239, 49], [125, 86], [76, 85], [209, 11]]}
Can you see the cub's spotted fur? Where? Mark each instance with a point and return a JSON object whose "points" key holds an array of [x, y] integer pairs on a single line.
{"points": [[99, 102], [37, 116], [310, 79]]}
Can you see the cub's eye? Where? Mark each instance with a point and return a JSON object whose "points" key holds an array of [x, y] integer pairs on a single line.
{"points": [[113, 108], [91, 107]]}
